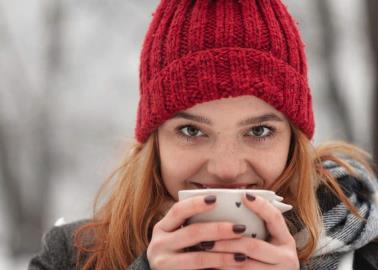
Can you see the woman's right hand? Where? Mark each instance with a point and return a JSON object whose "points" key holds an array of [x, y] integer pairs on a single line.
{"points": [[169, 239]]}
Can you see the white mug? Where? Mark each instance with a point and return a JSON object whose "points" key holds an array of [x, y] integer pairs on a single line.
{"points": [[229, 207]]}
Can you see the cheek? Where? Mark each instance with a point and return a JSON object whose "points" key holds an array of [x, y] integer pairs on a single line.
{"points": [[271, 164], [177, 166], [269, 171]]}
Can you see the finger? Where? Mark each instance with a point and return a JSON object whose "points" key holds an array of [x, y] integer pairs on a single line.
{"points": [[184, 209], [273, 218], [255, 249], [251, 264], [204, 260], [207, 231]]}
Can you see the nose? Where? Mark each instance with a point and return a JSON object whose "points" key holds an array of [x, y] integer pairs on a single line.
{"points": [[226, 161]]}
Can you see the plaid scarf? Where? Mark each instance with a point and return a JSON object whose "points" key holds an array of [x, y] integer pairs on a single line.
{"points": [[342, 231]]}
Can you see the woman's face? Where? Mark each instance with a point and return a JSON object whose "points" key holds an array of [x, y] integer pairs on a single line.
{"points": [[226, 143]]}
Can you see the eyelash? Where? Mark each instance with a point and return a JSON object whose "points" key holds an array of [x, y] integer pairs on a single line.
{"points": [[271, 133]]}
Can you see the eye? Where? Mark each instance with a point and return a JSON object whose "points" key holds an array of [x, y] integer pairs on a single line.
{"points": [[189, 131], [261, 132]]}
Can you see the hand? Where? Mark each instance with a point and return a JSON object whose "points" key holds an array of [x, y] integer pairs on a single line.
{"points": [[169, 239], [277, 253]]}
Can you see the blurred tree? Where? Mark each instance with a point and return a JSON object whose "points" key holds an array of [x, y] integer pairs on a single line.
{"points": [[372, 7], [25, 220], [10, 189], [328, 37], [10, 175]]}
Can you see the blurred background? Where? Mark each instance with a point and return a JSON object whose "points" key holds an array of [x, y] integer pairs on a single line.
{"points": [[69, 93]]}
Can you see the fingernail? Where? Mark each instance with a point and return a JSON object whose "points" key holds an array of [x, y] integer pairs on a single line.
{"points": [[250, 197], [239, 257], [239, 228], [207, 245], [210, 199], [186, 222]]}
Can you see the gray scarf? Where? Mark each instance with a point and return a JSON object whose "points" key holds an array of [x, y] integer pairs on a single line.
{"points": [[342, 231]]}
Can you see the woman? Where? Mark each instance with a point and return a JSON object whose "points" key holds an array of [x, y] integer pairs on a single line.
{"points": [[225, 103]]}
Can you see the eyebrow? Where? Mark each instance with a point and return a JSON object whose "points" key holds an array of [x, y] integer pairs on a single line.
{"points": [[245, 122]]}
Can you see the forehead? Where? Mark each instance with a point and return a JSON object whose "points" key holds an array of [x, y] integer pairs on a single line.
{"points": [[241, 105], [239, 112]]}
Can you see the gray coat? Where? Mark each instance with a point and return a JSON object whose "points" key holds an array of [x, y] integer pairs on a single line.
{"points": [[58, 252]]}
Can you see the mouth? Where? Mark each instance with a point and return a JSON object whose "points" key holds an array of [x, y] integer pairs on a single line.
{"points": [[233, 186]]}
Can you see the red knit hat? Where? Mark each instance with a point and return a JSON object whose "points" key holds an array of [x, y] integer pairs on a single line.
{"points": [[201, 50]]}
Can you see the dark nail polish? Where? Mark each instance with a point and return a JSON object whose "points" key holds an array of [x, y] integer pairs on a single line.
{"points": [[186, 222], [210, 199], [239, 228], [250, 197], [239, 257], [207, 245]]}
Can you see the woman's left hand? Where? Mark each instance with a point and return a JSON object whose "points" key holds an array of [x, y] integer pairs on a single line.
{"points": [[277, 253]]}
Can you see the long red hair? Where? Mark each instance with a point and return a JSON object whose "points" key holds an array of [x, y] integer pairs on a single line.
{"points": [[134, 199]]}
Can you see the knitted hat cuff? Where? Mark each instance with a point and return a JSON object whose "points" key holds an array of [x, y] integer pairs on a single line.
{"points": [[220, 73]]}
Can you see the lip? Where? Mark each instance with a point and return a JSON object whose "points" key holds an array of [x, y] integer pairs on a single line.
{"points": [[212, 185]]}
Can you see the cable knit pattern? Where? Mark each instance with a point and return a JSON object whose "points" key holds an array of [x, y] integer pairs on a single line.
{"points": [[198, 51]]}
